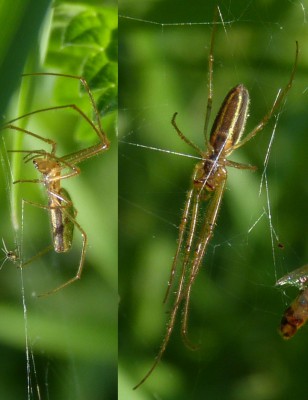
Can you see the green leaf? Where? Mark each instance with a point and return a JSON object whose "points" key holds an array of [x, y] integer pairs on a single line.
{"points": [[99, 73], [108, 101], [112, 48], [87, 28]]}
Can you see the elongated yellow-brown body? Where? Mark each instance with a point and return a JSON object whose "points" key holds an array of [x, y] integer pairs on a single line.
{"points": [[60, 206], [230, 121], [227, 130], [61, 223]]}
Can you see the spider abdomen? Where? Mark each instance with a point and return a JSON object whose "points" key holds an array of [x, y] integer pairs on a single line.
{"points": [[62, 214], [230, 121]]}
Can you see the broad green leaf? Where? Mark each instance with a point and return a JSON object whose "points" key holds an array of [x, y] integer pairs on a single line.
{"points": [[87, 28]]}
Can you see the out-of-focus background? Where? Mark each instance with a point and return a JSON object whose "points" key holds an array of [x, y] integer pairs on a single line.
{"points": [[235, 307], [64, 345]]}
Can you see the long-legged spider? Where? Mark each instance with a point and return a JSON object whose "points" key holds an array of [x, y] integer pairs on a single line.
{"points": [[54, 169], [296, 315], [207, 187], [9, 255]]}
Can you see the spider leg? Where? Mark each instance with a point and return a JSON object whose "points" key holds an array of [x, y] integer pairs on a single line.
{"points": [[81, 262], [68, 203], [237, 165], [193, 200], [28, 181], [66, 212], [99, 130], [210, 80], [104, 144], [169, 329], [188, 260], [183, 137], [182, 229], [78, 156], [27, 132], [182, 288], [281, 95], [194, 196], [11, 255], [205, 236], [38, 255], [32, 154]]}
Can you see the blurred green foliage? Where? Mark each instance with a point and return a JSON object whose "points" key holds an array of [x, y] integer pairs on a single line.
{"points": [[235, 307], [20, 24], [72, 337]]}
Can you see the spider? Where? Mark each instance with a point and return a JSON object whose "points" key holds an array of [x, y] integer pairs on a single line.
{"points": [[296, 315], [54, 169], [9, 255], [208, 183]]}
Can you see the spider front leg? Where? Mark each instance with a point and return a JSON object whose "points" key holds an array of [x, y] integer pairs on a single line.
{"points": [[281, 96], [45, 162], [96, 126], [27, 132]]}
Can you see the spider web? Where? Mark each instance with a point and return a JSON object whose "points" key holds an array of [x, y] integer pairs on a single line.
{"points": [[234, 302], [33, 389]]}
